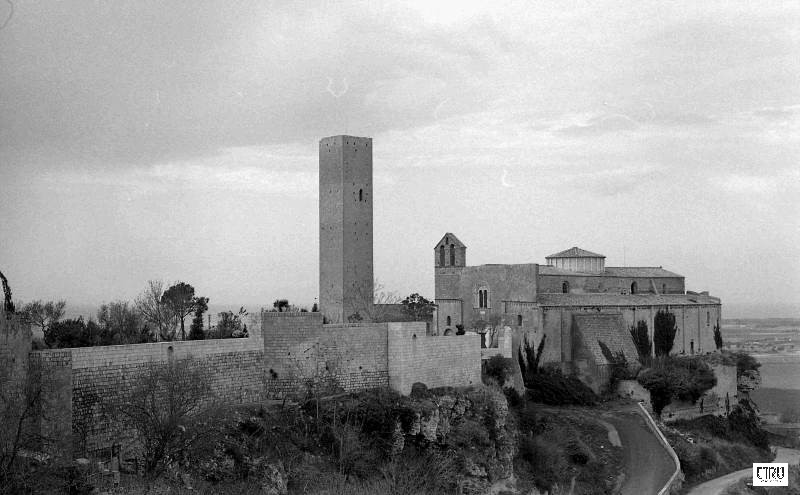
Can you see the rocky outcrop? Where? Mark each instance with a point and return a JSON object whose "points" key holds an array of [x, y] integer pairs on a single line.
{"points": [[470, 426]]}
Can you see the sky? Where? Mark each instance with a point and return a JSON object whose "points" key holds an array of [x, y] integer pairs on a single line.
{"points": [[178, 140]]}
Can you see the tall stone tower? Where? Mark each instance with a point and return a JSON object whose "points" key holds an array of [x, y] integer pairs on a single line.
{"points": [[345, 227]]}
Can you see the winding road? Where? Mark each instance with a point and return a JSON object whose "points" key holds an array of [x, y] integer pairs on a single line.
{"points": [[648, 466]]}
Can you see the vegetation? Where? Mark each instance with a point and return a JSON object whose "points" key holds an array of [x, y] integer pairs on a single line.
{"points": [[710, 446], [417, 307], [121, 324], [664, 332], [619, 366], [171, 408], [741, 487], [154, 310], [43, 314], [641, 339], [229, 325], [500, 369], [75, 333], [717, 337], [179, 300], [670, 378], [196, 331]]}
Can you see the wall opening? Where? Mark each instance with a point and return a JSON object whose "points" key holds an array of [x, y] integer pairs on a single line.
{"points": [[452, 255], [634, 287], [663, 288], [448, 321], [691, 346], [441, 255], [361, 195], [519, 320], [565, 287]]}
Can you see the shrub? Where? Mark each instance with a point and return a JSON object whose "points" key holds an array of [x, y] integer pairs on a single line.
{"points": [[171, 409], [557, 389], [671, 379], [500, 368], [546, 460], [641, 339]]}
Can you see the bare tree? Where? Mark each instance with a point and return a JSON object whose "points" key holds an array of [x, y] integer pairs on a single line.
{"points": [[377, 306], [121, 323], [43, 314], [157, 312]]}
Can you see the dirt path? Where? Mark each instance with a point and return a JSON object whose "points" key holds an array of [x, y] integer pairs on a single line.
{"points": [[648, 466], [718, 485]]}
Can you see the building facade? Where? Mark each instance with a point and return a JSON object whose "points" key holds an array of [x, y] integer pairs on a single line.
{"points": [[573, 301]]}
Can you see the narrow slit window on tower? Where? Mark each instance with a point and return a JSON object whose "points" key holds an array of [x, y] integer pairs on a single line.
{"points": [[441, 255], [448, 321], [361, 195], [663, 288], [452, 254], [565, 287], [634, 286], [519, 320], [708, 318]]}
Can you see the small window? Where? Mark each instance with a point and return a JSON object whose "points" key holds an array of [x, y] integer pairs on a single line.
{"points": [[691, 346], [448, 321], [708, 318], [663, 288], [361, 195], [483, 298], [452, 255], [565, 287], [519, 320], [634, 287], [441, 255]]}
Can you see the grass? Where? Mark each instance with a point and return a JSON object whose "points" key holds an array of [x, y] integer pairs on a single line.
{"points": [[785, 402]]}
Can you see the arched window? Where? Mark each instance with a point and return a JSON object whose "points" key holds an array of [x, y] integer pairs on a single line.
{"points": [[634, 286], [565, 287], [361, 195], [452, 255], [483, 298], [708, 318], [441, 255], [519, 320], [448, 321]]}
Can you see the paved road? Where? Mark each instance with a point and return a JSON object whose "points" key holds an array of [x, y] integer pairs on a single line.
{"points": [[717, 485], [648, 466]]}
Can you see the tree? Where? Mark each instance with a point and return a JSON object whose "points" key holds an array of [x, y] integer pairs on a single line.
{"points": [[180, 300], [281, 305], [43, 314], [315, 308], [230, 325], [23, 400], [418, 307], [717, 337], [75, 333], [120, 323], [685, 379], [169, 407], [8, 302], [529, 358], [641, 339], [154, 311], [664, 332], [196, 329]]}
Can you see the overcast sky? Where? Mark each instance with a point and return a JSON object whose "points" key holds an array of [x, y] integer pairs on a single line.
{"points": [[178, 140]]}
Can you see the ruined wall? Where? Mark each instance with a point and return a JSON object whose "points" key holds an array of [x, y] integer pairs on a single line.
{"points": [[436, 361]]}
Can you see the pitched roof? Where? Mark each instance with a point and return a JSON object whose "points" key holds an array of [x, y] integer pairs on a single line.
{"points": [[575, 252], [614, 271], [608, 329], [451, 239], [610, 299]]}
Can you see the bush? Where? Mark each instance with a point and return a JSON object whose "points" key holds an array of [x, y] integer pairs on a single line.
{"points": [[671, 379], [171, 408], [556, 389], [500, 368], [546, 460]]}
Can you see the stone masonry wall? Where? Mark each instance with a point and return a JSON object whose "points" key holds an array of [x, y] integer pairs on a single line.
{"points": [[436, 361], [300, 351], [87, 377]]}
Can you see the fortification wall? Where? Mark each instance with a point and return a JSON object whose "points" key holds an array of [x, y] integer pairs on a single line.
{"points": [[436, 361], [81, 380]]}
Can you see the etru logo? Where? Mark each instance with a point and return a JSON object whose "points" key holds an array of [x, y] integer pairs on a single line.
{"points": [[770, 474]]}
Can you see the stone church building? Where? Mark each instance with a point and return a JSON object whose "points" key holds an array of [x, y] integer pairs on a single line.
{"points": [[574, 299]]}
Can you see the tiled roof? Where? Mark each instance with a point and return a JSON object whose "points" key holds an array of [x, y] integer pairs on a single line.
{"points": [[607, 328], [451, 239], [614, 271], [607, 299], [575, 252]]}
